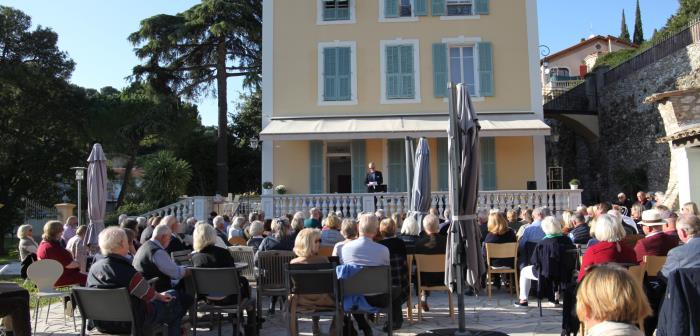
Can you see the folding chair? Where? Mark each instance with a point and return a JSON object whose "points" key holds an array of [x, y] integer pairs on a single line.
{"points": [[44, 273], [91, 303], [309, 279], [271, 280], [505, 250], [370, 281], [431, 263], [217, 282], [245, 254], [653, 265]]}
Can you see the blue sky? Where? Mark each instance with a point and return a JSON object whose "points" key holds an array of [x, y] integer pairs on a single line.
{"points": [[94, 32]]}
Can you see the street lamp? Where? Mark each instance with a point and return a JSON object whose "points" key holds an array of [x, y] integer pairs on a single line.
{"points": [[79, 177], [254, 143]]}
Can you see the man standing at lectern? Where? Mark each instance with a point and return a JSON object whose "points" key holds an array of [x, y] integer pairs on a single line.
{"points": [[374, 179]]}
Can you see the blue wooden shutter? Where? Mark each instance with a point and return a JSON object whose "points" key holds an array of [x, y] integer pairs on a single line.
{"points": [[357, 152], [421, 7], [344, 73], [392, 72], [482, 7], [488, 163], [315, 167], [330, 90], [407, 72], [342, 13], [438, 7], [329, 13], [397, 165], [485, 69], [391, 8], [442, 164], [440, 69]]}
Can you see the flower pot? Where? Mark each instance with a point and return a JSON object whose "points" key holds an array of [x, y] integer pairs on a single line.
{"points": [[573, 186]]}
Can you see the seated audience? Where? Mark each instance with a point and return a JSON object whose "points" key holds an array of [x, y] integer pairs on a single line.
{"points": [[432, 243], [499, 233], [176, 244], [131, 235], [410, 232], [297, 223], [567, 223], [643, 201], [629, 227], [50, 248], [255, 230], [279, 239], [532, 235], [153, 261], [27, 245], [349, 231], [189, 226], [549, 259], [115, 270], [379, 214], [690, 208], [610, 301], [609, 247], [398, 220], [236, 227], [208, 255], [331, 232], [141, 223], [581, 232], [525, 221], [363, 251], [445, 225], [148, 231], [314, 220], [656, 243], [482, 216], [670, 217], [306, 246], [220, 226], [397, 257], [513, 222], [75, 245], [688, 254], [623, 201], [69, 229], [636, 212]]}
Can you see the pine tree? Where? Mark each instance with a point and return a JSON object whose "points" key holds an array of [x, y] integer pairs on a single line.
{"points": [[624, 33], [638, 38]]}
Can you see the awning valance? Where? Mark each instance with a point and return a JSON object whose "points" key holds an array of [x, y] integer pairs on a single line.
{"points": [[335, 128]]}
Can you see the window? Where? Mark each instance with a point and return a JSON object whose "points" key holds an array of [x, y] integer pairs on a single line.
{"points": [[399, 76], [337, 73], [462, 67], [402, 10], [459, 7], [405, 8], [334, 10]]}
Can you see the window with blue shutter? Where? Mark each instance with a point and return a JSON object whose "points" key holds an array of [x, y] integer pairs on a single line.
{"points": [[485, 69], [357, 152], [397, 165], [438, 7], [440, 69], [481, 7], [442, 164], [337, 74], [391, 8], [421, 8], [336, 10], [316, 167], [400, 72], [487, 148]]}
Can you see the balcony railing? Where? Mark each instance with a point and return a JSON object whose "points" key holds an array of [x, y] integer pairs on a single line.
{"points": [[352, 204], [556, 86]]}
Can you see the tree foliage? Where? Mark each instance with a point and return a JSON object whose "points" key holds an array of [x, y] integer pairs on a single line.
{"points": [[638, 37], [165, 178], [624, 33], [196, 51]]}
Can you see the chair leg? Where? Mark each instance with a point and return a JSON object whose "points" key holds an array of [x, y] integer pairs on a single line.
{"points": [[409, 304], [36, 313], [516, 284], [83, 326], [420, 308], [488, 284], [48, 310], [449, 301], [194, 319], [219, 322]]}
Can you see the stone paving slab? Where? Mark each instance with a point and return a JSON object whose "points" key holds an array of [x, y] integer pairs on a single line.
{"points": [[497, 314]]}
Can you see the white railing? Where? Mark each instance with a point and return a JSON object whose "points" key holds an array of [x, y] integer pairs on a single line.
{"points": [[351, 204], [553, 89], [195, 206]]}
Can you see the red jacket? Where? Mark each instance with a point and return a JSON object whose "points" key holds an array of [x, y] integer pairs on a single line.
{"points": [[605, 252], [655, 245], [53, 250]]}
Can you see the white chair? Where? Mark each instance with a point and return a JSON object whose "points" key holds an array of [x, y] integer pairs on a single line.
{"points": [[44, 273]]}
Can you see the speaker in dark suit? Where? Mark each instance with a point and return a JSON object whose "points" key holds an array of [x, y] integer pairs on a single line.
{"points": [[374, 179]]}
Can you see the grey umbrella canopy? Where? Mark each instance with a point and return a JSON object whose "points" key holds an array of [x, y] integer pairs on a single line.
{"points": [[419, 197], [464, 263], [96, 193]]}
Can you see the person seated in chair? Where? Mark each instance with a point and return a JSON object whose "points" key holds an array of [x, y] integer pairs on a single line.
{"points": [[115, 271], [656, 242], [432, 243], [51, 248], [208, 255]]}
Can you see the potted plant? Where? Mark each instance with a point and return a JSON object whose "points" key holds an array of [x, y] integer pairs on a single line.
{"points": [[281, 189], [574, 183], [267, 188]]}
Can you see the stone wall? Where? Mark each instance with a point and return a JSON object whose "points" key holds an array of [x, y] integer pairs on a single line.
{"points": [[626, 156]]}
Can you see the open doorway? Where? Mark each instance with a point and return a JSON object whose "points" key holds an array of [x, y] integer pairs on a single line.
{"points": [[339, 167]]}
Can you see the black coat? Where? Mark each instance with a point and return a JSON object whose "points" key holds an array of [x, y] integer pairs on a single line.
{"points": [[680, 312], [376, 176]]}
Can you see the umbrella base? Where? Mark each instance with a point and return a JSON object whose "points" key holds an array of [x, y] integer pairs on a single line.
{"points": [[467, 332]]}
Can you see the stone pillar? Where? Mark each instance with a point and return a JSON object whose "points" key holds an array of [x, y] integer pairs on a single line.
{"points": [[64, 210], [202, 207]]}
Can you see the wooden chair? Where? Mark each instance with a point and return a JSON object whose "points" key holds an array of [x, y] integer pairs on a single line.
{"points": [[506, 250], [237, 241], [653, 264], [631, 240], [431, 263], [325, 251], [637, 272], [245, 254]]}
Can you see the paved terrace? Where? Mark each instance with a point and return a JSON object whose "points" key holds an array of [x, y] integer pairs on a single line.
{"points": [[497, 314]]}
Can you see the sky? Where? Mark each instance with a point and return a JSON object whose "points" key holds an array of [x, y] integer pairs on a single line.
{"points": [[94, 32]]}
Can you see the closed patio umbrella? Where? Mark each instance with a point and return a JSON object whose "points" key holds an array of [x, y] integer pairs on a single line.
{"points": [[96, 193], [419, 195], [464, 263]]}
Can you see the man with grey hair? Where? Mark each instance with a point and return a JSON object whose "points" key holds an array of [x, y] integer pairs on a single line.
{"points": [[176, 243], [688, 254], [220, 224], [153, 261], [115, 270], [482, 215], [122, 218], [189, 225], [532, 235], [314, 220]]}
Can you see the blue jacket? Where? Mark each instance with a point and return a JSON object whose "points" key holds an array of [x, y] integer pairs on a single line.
{"points": [[353, 302], [680, 311]]}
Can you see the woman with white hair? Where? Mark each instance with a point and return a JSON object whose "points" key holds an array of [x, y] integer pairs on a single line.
{"points": [[549, 258], [410, 233], [609, 233], [256, 230], [236, 228], [27, 245]]}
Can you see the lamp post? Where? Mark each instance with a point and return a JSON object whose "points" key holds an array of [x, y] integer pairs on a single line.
{"points": [[79, 177], [254, 143]]}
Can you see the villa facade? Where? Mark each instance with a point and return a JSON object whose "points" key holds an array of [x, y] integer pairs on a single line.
{"points": [[345, 81]]}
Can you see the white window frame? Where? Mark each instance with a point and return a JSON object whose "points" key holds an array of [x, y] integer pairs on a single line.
{"points": [[464, 41], [411, 18], [460, 17], [416, 70], [353, 73], [319, 14]]}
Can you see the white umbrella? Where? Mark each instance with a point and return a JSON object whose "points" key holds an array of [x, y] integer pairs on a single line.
{"points": [[96, 193]]}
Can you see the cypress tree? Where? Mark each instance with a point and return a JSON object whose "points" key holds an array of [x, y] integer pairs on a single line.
{"points": [[624, 33], [638, 33]]}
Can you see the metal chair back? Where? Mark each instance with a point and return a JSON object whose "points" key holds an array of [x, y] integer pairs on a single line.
{"points": [[369, 281], [91, 303], [245, 254], [215, 281], [307, 279], [271, 265]]}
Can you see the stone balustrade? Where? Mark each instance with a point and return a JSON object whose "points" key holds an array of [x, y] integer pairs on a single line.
{"points": [[198, 207]]}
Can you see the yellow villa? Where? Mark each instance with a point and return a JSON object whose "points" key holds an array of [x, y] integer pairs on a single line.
{"points": [[345, 81]]}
